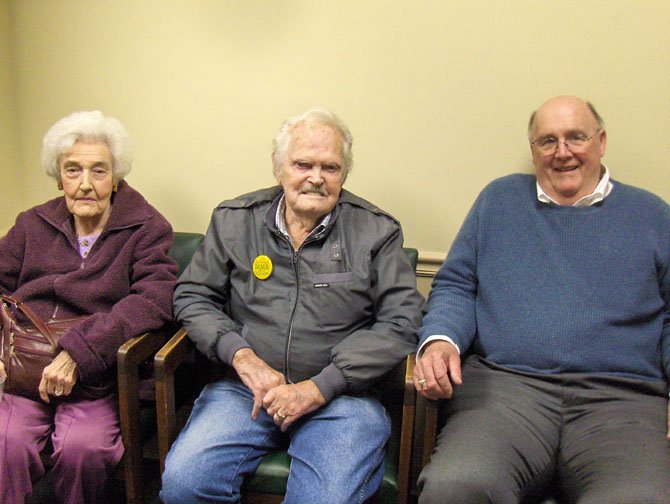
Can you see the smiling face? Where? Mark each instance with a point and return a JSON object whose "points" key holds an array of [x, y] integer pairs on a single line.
{"points": [[565, 175], [312, 171], [86, 176]]}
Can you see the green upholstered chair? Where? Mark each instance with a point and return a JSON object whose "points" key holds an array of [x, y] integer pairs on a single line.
{"points": [[138, 413], [268, 483]]}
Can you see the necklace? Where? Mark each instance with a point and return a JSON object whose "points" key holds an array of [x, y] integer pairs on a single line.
{"points": [[86, 243]]}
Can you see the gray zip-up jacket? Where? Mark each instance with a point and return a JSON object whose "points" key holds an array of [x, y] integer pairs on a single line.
{"points": [[342, 310]]}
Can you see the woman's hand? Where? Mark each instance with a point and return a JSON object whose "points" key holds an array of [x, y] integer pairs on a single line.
{"points": [[59, 377]]}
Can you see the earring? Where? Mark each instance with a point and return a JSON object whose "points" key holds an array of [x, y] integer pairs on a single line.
{"points": [[116, 187], [60, 185]]}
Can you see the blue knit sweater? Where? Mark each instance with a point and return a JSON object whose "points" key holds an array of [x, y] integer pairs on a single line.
{"points": [[554, 289]]}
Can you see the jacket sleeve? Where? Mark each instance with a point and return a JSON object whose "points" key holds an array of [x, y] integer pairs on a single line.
{"points": [[451, 303], [202, 294], [367, 354], [94, 344]]}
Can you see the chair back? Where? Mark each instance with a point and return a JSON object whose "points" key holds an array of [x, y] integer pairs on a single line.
{"points": [[184, 246], [413, 256]]}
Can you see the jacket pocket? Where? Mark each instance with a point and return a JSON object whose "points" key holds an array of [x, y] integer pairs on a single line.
{"points": [[341, 299]]}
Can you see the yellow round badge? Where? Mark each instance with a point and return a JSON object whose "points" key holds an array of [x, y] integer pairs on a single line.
{"points": [[262, 267]]}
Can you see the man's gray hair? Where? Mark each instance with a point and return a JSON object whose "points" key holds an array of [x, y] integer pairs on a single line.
{"points": [[89, 126], [596, 115], [315, 115]]}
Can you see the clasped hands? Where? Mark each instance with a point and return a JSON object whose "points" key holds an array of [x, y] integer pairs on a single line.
{"points": [[285, 403]]}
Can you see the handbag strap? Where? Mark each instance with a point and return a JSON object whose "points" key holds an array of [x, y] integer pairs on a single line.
{"points": [[32, 316]]}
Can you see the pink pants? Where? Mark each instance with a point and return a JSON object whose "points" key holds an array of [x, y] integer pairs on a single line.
{"points": [[86, 440]]}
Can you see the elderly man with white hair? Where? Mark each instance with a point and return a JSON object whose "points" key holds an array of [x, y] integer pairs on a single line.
{"points": [[303, 290]]}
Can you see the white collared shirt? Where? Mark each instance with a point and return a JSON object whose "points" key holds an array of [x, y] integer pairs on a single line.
{"points": [[602, 190], [280, 221]]}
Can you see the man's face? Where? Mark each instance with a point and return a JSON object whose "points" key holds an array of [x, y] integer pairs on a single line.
{"points": [[567, 174], [312, 172]]}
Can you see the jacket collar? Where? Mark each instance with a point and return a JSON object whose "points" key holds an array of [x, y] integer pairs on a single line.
{"points": [[271, 214]]}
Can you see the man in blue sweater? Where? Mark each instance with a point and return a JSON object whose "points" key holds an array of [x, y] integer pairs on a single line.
{"points": [[548, 328]]}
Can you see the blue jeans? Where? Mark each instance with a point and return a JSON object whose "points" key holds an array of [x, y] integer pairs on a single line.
{"points": [[337, 451]]}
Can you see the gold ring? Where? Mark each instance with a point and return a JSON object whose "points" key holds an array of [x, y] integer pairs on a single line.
{"points": [[58, 392], [281, 417], [422, 381]]}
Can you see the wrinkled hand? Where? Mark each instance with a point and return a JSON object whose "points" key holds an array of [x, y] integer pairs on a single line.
{"points": [[438, 370], [59, 377], [287, 403], [257, 375]]}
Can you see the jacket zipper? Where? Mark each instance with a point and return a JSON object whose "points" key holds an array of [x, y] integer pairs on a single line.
{"points": [[296, 268], [295, 255]]}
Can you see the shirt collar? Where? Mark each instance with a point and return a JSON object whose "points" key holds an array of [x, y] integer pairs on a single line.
{"points": [[280, 222], [601, 191]]}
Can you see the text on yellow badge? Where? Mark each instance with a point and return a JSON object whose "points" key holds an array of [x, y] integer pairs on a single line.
{"points": [[262, 267]]}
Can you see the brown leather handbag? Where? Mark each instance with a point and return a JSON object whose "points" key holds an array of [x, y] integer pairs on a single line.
{"points": [[27, 348]]}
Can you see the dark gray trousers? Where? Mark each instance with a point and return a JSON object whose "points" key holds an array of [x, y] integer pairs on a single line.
{"points": [[508, 434]]}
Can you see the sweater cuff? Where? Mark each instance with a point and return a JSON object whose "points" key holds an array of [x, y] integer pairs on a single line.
{"points": [[330, 381], [228, 344]]}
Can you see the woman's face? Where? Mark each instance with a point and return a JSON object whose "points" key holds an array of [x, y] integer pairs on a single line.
{"points": [[86, 176]]}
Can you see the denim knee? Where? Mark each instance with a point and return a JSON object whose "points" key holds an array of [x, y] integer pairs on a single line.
{"points": [[355, 430], [175, 488], [178, 486], [183, 483]]}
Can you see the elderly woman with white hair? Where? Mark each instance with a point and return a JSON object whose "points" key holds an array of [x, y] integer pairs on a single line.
{"points": [[100, 249]]}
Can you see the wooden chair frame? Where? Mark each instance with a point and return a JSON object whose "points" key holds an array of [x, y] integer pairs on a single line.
{"points": [[129, 357]]}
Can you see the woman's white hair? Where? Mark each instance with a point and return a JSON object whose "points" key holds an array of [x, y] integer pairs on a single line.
{"points": [[314, 115], [87, 127]]}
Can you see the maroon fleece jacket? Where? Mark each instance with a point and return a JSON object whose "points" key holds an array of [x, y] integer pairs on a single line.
{"points": [[126, 282]]}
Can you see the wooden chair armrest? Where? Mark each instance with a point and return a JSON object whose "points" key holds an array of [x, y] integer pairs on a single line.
{"points": [[166, 361], [136, 350], [409, 390], [407, 430], [173, 354], [129, 357]]}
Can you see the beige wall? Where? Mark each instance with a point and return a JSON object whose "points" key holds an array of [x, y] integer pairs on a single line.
{"points": [[11, 176], [437, 93]]}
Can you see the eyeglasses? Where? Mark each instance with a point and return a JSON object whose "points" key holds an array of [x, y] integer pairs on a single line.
{"points": [[575, 143]]}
